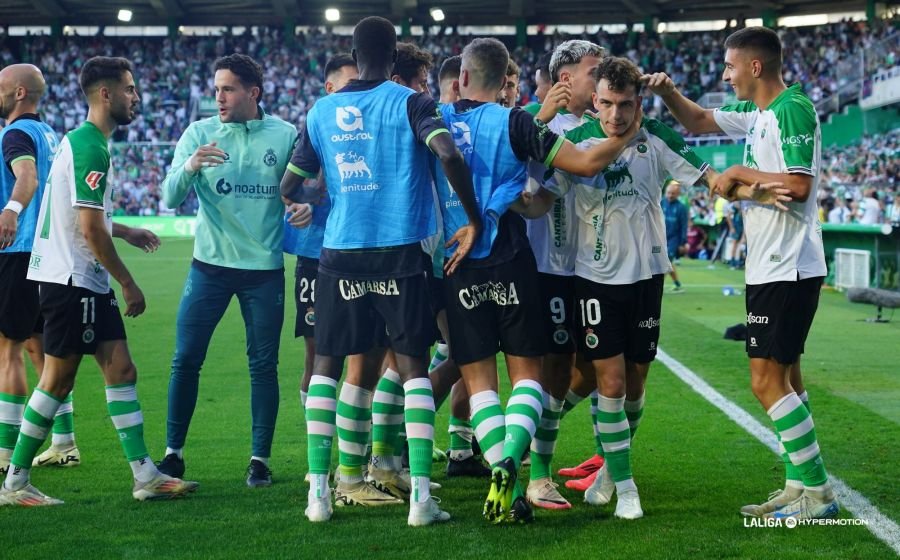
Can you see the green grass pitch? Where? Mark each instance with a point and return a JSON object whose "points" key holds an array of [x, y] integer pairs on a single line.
{"points": [[693, 465]]}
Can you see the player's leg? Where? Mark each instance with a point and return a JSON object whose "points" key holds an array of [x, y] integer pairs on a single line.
{"points": [[261, 298], [63, 452], [643, 340], [782, 315], [13, 394], [120, 377], [582, 386], [203, 302], [305, 274]]}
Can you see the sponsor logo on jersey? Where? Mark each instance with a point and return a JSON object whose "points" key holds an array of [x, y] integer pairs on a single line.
{"points": [[798, 140], [351, 167], [225, 188], [775, 258], [353, 289], [616, 173], [559, 221], [496, 292], [685, 150], [599, 246], [93, 179], [349, 118], [462, 136], [270, 158], [591, 340], [649, 323], [757, 319]]}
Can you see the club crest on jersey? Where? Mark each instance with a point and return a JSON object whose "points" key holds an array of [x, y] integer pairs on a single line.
{"points": [[642, 148], [310, 317], [270, 158], [88, 335], [93, 179], [591, 340]]}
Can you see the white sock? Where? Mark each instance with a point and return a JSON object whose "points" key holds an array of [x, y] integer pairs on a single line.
{"points": [[178, 452], [17, 478], [421, 489], [318, 486], [143, 469], [63, 441], [303, 395], [625, 485], [460, 454]]}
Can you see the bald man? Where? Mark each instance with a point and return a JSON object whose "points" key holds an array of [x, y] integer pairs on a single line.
{"points": [[28, 147], [676, 215]]}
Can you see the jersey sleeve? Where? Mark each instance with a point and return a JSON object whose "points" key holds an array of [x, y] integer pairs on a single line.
{"points": [[425, 117], [90, 166], [735, 120], [797, 122], [532, 109], [17, 145], [304, 161], [676, 157], [530, 138]]}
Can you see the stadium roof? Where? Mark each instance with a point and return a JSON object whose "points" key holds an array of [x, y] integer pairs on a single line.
{"points": [[465, 12]]}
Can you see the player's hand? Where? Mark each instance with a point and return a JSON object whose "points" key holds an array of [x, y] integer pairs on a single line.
{"points": [[464, 239], [299, 215], [9, 224], [134, 300], [770, 194], [557, 98], [143, 239], [723, 185], [659, 83], [207, 155], [521, 204]]}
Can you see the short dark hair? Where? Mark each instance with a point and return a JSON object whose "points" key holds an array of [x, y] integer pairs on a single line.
{"points": [[763, 41], [487, 61], [248, 71], [619, 72], [338, 61], [450, 68], [512, 69], [103, 69], [375, 40], [543, 65], [409, 59]]}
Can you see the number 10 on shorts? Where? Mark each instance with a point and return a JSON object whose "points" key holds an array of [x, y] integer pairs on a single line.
{"points": [[590, 311]]}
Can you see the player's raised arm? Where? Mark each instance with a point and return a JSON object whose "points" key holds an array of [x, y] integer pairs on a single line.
{"points": [[588, 163], [691, 116]]}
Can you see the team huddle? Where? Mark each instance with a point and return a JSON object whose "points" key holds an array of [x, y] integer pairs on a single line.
{"points": [[537, 232]]}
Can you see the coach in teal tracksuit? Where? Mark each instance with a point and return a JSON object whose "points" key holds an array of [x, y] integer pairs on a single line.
{"points": [[234, 162]]}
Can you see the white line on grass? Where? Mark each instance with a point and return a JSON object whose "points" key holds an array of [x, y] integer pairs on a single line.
{"points": [[879, 524]]}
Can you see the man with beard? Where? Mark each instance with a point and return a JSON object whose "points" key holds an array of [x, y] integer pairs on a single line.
{"points": [[72, 257]]}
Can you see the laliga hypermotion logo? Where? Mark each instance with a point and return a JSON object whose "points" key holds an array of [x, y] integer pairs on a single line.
{"points": [[349, 118]]}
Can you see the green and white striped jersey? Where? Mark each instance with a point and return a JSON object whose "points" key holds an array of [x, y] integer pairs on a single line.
{"points": [[621, 227], [783, 138], [78, 179]]}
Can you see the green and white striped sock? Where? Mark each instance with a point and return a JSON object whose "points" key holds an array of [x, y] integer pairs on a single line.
{"points": [[489, 423], [12, 407], [441, 352], [354, 416], [460, 438], [598, 442], [523, 414], [387, 419], [321, 405], [544, 442], [125, 413], [36, 422], [419, 415], [572, 400], [64, 424], [633, 411], [798, 436], [616, 437]]}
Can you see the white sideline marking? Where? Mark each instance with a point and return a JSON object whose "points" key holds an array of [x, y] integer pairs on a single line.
{"points": [[879, 524]]}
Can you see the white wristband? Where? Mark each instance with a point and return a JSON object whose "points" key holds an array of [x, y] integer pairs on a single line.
{"points": [[14, 206], [187, 166]]}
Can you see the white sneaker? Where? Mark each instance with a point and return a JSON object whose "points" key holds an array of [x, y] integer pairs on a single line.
{"points": [[601, 491], [27, 496], [777, 500], [319, 509], [543, 493], [426, 513], [58, 457], [628, 505], [162, 487], [810, 505]]}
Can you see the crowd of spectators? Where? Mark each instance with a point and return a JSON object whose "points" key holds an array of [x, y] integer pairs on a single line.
{"points": [[174, 76]]}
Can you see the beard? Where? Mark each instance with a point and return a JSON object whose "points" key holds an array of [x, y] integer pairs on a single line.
{"points": [[123, 116]]}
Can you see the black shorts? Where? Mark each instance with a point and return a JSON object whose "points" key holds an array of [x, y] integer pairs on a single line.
{"points": [[496, 308], [76, 319], [354, 314], [779, 315], [20, 308], [619, 319], [558, 302], [305, 296], [436, 289]]}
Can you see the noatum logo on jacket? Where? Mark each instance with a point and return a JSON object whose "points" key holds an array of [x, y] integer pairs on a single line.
{"points": [[225, 188]]}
